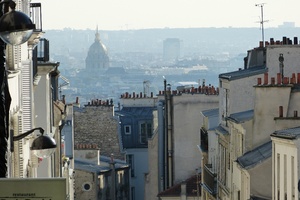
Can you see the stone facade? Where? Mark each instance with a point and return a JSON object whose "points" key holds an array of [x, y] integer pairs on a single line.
{"points": [[96, 125]]}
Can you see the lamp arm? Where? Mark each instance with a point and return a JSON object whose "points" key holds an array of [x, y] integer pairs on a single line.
{"points": [[23, 135]]}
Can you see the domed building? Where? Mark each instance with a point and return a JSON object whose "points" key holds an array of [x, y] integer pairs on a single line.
{"points": [[97, 58]]}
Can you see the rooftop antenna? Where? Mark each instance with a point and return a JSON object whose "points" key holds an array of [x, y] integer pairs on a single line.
{"points": [[261, 5]]}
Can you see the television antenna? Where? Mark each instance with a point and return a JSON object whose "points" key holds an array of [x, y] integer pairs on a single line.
{"points": [[262, 21]]}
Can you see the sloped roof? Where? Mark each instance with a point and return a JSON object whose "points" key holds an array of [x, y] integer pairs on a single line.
{"points": [[241, 117], [256, 156], [191, 188], [136, 111], [290, 133], [221, 130], [210, 112], [97, 169], [252, 71]]}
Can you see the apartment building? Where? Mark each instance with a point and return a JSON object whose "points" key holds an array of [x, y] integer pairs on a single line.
{"points": [[252, 101], [173, 149]]}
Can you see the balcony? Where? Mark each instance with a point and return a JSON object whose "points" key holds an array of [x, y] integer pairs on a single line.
{"points": [[209, 182], [36, 18]]}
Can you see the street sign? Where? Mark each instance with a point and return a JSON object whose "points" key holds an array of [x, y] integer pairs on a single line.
{"points": [[33, 189]]}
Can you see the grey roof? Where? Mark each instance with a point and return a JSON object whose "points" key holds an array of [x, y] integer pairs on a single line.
{"points": [[290, 133], [241, 117], [97, 169], [221, 130], [211, 112], [136, 111], [89, 167], [252, 71], [256, 156]]}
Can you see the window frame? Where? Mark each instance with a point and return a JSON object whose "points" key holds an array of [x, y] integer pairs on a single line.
{"points": [[125, 129]]}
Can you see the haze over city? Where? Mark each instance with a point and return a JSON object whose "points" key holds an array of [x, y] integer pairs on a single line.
{"points": [[137, 14]]}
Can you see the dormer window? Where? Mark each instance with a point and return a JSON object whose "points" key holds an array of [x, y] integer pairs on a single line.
{"points": [[127, 129]]}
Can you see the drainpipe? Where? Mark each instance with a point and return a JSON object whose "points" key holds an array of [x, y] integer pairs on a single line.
{"points": [[281, 59], [169, 104], [113, 177], [166, 184]]}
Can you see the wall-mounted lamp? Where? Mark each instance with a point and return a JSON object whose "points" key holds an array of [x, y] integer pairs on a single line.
{"points": [[43, 146], [15, 27]]}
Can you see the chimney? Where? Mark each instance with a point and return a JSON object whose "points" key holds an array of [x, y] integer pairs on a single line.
{"points": [[266, 78], [295, 113], [272, 41], [284, 40], [77, 100], [272, 81], [183, 191], [64, 99], [279, 81], [280, 111], [295, 40]]}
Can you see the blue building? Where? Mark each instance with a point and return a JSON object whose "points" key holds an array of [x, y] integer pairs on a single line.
{"points": [[135, 128]]}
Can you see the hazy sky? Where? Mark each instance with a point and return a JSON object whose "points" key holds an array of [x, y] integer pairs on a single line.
{"points": [[141, 14]]}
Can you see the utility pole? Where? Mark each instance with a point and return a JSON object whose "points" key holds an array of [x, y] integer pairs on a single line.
{"points": [[261, 5]]}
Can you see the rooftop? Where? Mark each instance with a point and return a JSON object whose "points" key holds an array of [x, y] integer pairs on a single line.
{"points": [[252, 71], [175, 191], [290, 133], [256, 156], [241, 117]]}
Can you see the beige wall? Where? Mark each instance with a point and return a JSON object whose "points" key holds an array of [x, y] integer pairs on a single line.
{"points": [[285, 168], [81, 178], [261, 179], [264, 123], [187, 124], [291, 54], [152, 179]]}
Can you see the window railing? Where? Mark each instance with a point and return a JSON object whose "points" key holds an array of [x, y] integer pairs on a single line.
{"points": [[36, 16], [209, 179]]}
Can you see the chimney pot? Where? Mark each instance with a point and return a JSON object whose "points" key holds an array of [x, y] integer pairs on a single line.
{"points": [[280, 111], [279, 78], [266, 78], [272, 81], [295, 113]]}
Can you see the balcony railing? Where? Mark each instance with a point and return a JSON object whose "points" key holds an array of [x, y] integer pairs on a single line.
{"points": [[209, 180]]}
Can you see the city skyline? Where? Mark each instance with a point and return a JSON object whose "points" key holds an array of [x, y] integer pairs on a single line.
{"points": [[136, 14]]}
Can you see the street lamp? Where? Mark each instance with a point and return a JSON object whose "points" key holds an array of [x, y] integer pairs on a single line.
{"points": [[43, 146], [16, 27], [12, 24]]}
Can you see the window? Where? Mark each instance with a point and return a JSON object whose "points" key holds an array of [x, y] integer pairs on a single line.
{"points": [[86, 186], [130, 161], [127, 129], [145, 132]]}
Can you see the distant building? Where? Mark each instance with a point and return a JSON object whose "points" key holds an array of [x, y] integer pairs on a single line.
{"points": [[287, 25], [97, 58], [171, 51]]}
